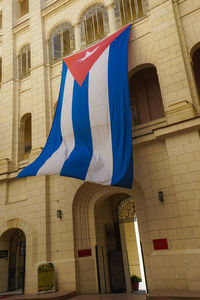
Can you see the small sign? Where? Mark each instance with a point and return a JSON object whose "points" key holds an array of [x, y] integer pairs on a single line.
{"points": [[22, 248], [160, 244], [3, 253], [84, 252], [46, 278]]}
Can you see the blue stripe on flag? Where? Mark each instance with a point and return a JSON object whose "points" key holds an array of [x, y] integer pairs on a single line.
{"points": [[120, 111], [78, 162], [52, 143]]}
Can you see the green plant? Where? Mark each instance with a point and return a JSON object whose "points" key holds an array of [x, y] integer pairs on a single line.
{"points": [[135, 278]]}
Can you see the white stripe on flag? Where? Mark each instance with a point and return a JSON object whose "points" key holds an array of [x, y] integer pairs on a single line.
{"points": [[54, 164], [101, 165]]}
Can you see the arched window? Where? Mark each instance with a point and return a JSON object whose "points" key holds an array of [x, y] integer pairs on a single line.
{"points": [[196, 69], [54, 108], [25, 138], [94, 24], [61, 42], [0, 71], [127, 11], [23, 7], [145, 96], [24, 62], [0, 20]]}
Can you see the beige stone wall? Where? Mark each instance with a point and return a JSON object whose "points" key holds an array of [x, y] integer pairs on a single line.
{"points": [[166, 151], [132, 251]]}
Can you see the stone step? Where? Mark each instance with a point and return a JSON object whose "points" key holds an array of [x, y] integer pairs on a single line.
{"points": [[52, 296], [173, 295]]}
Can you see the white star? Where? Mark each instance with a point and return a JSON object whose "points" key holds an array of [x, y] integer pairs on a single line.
{"points": [[87, 54]]}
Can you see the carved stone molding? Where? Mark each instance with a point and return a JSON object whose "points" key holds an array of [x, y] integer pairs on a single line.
{"points": [[126, 211]]}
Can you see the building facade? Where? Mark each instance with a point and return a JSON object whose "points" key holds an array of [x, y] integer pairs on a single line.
{"points": [[84, 228]]}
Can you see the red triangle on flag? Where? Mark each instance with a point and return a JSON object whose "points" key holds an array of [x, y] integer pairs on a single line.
{"points": [[80, 63]]}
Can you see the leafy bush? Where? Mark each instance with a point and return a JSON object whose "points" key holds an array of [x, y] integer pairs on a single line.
{"points": [[135, 278]]}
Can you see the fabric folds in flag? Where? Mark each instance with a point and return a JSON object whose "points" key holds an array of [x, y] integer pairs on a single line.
{"points": [[91, 138]]}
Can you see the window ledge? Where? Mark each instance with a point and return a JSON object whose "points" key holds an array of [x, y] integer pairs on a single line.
{"points": [[146, 128], [23, 19], [49, 2], [24, 78], [23, 163], [21, 24]]}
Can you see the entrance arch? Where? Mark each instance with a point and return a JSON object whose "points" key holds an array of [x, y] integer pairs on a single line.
{"points": [[15, 229], [13, 244], [17, 258], [87, 207]]}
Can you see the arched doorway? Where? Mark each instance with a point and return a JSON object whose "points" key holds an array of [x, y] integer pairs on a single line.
{"points": [[17, 254], [97, 231], [117, 247]]}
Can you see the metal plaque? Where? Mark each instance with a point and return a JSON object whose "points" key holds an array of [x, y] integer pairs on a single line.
{"points": [[46, 278], [3, 253]]}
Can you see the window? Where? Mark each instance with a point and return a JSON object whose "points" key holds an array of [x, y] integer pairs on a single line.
{"points": [[94, 24], [25, 137], [24, 62], [145, 96], [61, 42], [0, 71], [0, 20], [196, 69], [127, 11], [23, 7]]}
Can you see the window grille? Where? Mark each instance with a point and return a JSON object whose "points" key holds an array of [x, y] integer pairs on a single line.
{"points": [[61, 42], [24, 62], [94, 24], [24, 7], [0, 20], [0, 71], [127, 11]]}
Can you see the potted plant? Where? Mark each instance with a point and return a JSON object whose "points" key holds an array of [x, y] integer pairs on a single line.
{"points": [[135, 282]]}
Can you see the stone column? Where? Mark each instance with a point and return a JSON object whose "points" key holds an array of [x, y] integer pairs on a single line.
{"points": [[111, 17], [170, 61], [8, 102], [39, 80], [77, 29]]}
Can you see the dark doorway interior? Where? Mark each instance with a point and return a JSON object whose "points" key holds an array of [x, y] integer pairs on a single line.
{"points": [[115, 259], [17, 254]]}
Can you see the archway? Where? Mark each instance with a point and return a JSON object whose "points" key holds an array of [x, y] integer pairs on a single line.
{"points": [[116, 244], [13, 245], [95, 217]]}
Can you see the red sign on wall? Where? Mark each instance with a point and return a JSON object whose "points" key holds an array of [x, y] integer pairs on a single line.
{"points": [[84, 252], [160, 244]]}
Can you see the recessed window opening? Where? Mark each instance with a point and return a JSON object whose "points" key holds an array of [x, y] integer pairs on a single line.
{"points": [[27, 137], [127, 11], [24, 62], [94, 24], [145, 96], [0, 20], [61, 42], [23, 7], [0, 71], [196, 69]]}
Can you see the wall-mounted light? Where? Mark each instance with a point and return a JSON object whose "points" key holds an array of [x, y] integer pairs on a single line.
{"points": [[59, 214], [160, 196]]}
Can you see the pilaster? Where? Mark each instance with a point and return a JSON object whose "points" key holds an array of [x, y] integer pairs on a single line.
{"points": [[77, 31], [170, 61], [8, 101], [111, 17], [39, 78]]}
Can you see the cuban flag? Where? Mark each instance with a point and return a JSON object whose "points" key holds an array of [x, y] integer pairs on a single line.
{"points": [[91, 138]]}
